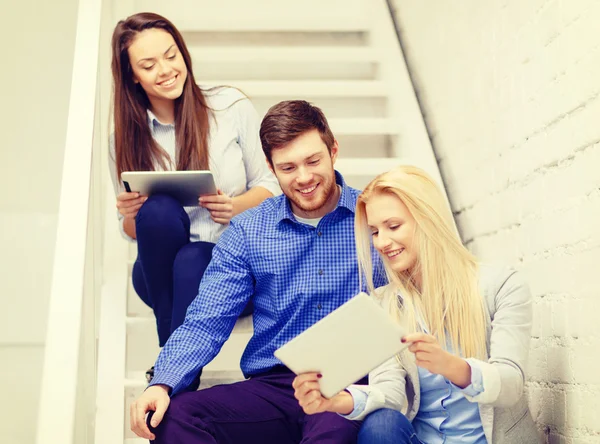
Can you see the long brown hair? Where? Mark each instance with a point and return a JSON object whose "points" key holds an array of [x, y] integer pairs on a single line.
{"points": [[135, 149]]}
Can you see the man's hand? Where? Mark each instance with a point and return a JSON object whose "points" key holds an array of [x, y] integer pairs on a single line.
{"points": [[155, 398], [309, 396]]}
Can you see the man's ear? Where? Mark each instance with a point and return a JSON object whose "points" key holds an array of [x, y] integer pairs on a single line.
{"points": [[270, 166], [334, 151]]}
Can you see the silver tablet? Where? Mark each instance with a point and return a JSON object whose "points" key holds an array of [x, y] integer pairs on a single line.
{"points": [[345, 345], [185, 186]]}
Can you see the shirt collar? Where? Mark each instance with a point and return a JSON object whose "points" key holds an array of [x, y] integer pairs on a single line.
{"points": [[153, 120], [347, 200]]}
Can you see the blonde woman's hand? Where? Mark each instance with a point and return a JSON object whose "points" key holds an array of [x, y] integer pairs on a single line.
{"points": [[429, 354], [220, 206], [311, 400], [129, 204]]}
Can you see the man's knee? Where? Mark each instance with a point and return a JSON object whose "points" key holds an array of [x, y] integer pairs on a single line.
{"points": [[177, 420]]}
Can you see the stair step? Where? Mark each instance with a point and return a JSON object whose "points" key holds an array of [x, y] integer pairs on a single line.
{"points": [[275, 38], [366, 166], [334, 107], [142, 345], [358, 172], [298, 70], [327, 54], [265, 23], [242, 326], [137, 380], [288, 89], [364, 126]]}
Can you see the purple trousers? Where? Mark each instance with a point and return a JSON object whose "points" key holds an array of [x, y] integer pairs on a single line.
{"points": [[260, 410]]}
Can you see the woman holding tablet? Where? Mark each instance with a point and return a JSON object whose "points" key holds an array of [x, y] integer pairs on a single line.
{"points": [[461, 379], [164, 121]]}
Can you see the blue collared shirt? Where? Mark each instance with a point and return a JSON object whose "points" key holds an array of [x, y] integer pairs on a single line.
{"points": [[445, 415], [295, 274]]}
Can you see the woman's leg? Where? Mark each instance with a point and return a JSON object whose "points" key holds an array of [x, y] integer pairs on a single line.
{"points": [[162, 229], [139, 283], [190, 263], [387, 426], [189, 266]]}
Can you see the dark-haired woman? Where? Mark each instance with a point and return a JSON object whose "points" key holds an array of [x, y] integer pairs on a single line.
{"points": [[164, 121]]}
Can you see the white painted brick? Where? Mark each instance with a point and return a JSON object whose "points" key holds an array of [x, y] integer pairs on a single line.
{"points": [[554, 438], [585, 440], [546, 398], [558, 321], [575, 318], [575, 408], [559, 370], [534, 400], [515, 120], [590, 415], [536, 325], [544, 310], [585, 361], [537, 366]]}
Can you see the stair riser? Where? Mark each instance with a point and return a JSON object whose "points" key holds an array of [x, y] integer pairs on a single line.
{"points": [[296, 70], [333, 108], [274, 38], [142, 349]]}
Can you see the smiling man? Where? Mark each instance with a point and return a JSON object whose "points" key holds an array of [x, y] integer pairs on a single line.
{"points": [[294, 257]]}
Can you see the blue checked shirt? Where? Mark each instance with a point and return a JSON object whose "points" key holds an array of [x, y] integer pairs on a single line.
{"points": [[295, 274]]}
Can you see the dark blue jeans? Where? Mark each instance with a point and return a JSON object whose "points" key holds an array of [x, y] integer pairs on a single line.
{"points": [[387, 426], [169, 267]]}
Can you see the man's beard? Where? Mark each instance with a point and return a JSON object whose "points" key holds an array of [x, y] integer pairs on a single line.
{"points": [[310, 207]]}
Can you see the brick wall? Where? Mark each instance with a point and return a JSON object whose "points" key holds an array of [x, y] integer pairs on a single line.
{"points": [[510, 91]]}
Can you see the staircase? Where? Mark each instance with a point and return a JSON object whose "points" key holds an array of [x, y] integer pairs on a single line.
{"points": [[341, 55]]}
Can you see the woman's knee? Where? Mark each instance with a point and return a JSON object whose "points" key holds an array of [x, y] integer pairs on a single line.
{"points": [[385, 426], [159, 209], [193, 255]]}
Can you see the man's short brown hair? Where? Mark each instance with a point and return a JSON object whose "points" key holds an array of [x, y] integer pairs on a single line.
{"points": [[289, 119]]}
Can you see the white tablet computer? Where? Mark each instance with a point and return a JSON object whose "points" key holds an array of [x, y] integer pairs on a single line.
{"points": [[185, 186], [345, 345]]}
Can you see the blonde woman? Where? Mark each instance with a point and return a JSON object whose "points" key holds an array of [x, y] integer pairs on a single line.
{"points": [[462, 378]]}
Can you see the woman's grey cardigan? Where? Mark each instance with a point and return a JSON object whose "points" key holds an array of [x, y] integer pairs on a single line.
{"points": [[502, 405]]}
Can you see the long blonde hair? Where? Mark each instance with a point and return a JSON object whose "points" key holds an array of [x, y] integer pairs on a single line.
{"points": [[448, 299]]}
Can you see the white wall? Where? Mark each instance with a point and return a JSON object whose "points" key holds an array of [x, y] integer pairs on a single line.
{"points": [[35, 78], [511, 96]]}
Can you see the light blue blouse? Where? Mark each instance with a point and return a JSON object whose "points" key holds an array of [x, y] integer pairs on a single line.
{"points": [[445, 415]]}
